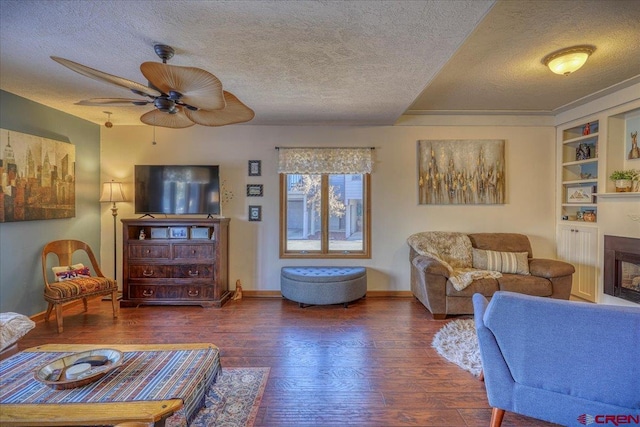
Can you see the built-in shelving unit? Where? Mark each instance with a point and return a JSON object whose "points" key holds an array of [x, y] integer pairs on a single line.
{"points": [[588, 151], [580, 172], [578, 180]]}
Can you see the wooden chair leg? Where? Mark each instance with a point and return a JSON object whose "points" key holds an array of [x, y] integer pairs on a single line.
{"points": [[86, 306], [48, 313], [496, 417], [115, 304], [59, 317]]}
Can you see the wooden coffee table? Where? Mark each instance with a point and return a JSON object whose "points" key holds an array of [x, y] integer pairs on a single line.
{"points": [[83, 414]]}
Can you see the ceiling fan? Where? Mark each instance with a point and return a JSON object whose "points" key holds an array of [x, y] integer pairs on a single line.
{"points": [[182, 96]]}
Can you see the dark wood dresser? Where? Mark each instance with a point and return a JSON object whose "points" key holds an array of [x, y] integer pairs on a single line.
{"points": [[175, 262]]}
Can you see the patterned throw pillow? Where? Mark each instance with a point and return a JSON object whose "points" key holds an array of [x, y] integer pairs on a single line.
{"points": [[70, 272], [504, 262]]}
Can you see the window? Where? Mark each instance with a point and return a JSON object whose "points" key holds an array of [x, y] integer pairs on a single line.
{"points": [[325, 202], [325, 216]]}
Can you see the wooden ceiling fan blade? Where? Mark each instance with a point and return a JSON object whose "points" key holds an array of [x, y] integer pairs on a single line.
{"points": [[199, 88], [159, 118], [112, 101], [106, 77], [234, 112]]}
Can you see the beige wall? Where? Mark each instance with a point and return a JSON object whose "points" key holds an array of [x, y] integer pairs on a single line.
{"points": [[530, 169]]}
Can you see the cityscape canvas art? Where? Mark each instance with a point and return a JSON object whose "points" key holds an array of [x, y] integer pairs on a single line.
{"points": [[461, 171], [37, 178]]}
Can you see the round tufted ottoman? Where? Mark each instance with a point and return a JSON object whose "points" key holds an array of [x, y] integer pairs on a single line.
{"points": [[323, 285]]}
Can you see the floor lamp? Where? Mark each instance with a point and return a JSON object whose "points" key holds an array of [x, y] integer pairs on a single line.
{"points": [[112, 193]]}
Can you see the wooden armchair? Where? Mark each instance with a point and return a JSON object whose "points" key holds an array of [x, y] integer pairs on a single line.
{"points": [[76, 283]]}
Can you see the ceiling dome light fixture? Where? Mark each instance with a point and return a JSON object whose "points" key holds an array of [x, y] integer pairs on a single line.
{"points": [[566, 61]]}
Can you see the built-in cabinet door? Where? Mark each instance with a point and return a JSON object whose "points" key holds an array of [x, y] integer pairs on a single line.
{"points": [[579, 246]]}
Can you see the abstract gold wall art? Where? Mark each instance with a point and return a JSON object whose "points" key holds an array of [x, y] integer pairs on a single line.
{"points": [[461, 171]]}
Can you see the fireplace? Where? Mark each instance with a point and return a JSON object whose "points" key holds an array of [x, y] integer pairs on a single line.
{"points": [[622, 267]]}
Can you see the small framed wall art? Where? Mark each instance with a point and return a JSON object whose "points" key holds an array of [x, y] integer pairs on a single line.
{"points": [[255, 213], [255, 168], [580, 194], [254, 190]]}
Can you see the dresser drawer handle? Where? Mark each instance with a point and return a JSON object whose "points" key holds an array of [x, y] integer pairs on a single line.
{"points": [[193, 274], [193, 252], [148, 251], [147, 273], [147, 292], [194, 293]]}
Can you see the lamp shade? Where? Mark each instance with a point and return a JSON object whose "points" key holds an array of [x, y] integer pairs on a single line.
{"points": [[112, 192], [567, 61]]}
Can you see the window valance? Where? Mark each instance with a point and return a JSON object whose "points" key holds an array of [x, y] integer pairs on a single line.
{"points": [[325, 160]]}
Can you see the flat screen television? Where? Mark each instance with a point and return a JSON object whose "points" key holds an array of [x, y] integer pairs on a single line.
{"points": [[177, 189]]}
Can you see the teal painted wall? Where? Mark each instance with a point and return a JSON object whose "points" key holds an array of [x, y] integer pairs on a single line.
{"points": [[21, 285]]}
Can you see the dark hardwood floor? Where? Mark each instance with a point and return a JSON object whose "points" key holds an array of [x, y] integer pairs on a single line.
{"points": [[368, 365]]}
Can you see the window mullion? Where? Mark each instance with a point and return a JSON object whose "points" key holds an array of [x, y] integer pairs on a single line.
{"points": [[324, 196]]}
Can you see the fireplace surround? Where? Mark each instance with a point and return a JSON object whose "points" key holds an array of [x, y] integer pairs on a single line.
{"points": [[622, 267]]}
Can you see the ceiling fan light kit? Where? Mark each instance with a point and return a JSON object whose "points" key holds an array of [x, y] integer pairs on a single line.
{"points": [[182, 96], [108, 123], [566, 61]]}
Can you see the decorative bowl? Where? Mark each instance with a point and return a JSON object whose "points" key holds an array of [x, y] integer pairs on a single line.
{"points": [[71, 371]]}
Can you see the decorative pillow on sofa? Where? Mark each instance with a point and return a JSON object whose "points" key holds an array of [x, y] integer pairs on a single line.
{"points": [[70, 272], [504, 262]]}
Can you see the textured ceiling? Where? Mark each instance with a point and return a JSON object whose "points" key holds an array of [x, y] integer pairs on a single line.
{"points": [[499, 68], [324, 62]]}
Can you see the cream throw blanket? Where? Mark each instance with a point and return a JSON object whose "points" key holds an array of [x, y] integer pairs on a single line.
{"points": [[454, 251]]}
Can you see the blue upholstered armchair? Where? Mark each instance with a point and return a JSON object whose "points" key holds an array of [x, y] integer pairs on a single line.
{"points": [[566, 362]]}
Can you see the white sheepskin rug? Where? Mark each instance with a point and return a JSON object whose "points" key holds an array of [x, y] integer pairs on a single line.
{"points": [[458, 343]]}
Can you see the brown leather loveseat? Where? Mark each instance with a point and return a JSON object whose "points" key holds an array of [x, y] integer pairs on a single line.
{"points": [[484, 263]]}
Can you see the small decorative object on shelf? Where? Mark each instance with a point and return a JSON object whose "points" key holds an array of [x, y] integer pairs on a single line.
{"points": [[581, 194], [580, 216], [583, 152], [589, 216], [142, 235], [586, 130], [624, 179], [178, 232], [199, 232], [635, 151], [159, 232]]}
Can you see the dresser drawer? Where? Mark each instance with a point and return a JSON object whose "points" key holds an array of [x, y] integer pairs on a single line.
{"points": [[169, 292], [149, 271], [149, 251], [195, 292], [202, 251], [146, 291], [193, 271]]}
